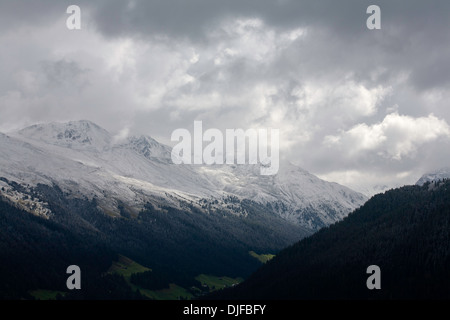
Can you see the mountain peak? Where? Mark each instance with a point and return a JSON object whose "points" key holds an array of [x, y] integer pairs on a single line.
{"points": [[443, 173], [149, 147], [73, 134]]}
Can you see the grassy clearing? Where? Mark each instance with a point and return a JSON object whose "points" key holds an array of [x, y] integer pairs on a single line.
{"points": [[126, 267], [217, 283], [174, 292], [263, 258], [46, 294]]}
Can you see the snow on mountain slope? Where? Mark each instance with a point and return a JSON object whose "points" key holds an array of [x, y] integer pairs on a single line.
{"points": [[75, 135], [443, 173], [293, 193], [83, 158], [370, 190]]}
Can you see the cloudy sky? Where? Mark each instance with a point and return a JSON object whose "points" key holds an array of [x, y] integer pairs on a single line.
{"points": [[357, 106]]}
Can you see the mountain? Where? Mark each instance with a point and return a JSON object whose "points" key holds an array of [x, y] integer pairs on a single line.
{"points": [[71, 193], [84, 159], [370, 190], [443, 173], [405, 232], [81, 135]]}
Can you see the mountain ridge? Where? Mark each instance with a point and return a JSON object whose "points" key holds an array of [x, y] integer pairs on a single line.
{"points": [[439, 174], [82, 156]]}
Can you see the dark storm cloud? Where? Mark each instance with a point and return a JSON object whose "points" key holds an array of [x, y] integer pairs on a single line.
{"points": [[193, 18], [18, 13], [411, 30], [434, 73]]}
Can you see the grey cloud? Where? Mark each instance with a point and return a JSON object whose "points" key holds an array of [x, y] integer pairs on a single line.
{"points": [[192, 20], [433, 74], [128, 65], [65, 73], [14, 14]]}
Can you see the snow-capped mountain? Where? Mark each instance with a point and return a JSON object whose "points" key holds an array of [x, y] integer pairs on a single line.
{"points": [[85, 160], [443, 173], [370, 190]]}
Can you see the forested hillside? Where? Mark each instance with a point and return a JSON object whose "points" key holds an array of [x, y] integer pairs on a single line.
{"points": [[406, 232], [181, 244]]}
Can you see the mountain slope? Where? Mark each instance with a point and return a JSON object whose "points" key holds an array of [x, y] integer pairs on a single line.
{"points": [[83, 158], [443, 173], [182, 243], [126, 197], [406, 232], [69, 194]]}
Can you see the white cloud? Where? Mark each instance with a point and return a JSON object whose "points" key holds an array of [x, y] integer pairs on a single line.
{"points": [[396, 137], [122, 135], [372, 182], [343, 100]]}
